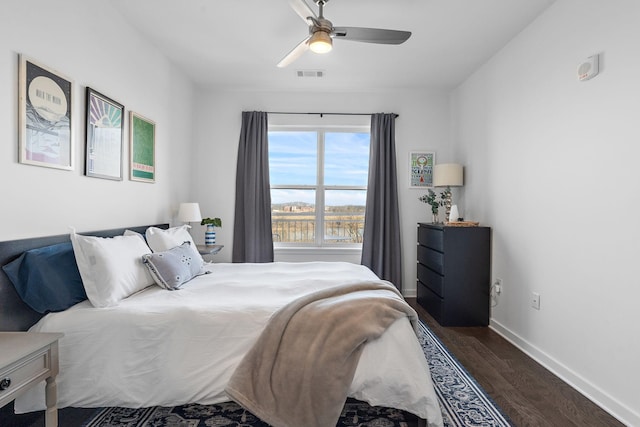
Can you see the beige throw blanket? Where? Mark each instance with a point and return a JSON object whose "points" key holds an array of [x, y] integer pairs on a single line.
{"points": [[299, 371]]}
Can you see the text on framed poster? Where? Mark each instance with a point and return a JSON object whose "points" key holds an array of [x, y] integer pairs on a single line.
{"points": [[421, 168]]}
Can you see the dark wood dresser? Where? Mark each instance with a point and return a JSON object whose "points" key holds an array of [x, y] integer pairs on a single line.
{"points": [[454, 273]]}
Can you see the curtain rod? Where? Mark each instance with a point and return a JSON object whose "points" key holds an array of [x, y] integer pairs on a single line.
{"points": [[327, 114]]}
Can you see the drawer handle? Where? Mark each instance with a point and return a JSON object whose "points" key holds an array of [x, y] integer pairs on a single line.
{"points": [[5, 383]]}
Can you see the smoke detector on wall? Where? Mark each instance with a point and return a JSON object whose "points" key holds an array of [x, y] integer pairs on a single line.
{"points": [[588, 69]]}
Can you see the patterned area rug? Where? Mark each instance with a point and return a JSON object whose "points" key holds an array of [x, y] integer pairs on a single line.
{"points": [[462, 400], [230, 414]]}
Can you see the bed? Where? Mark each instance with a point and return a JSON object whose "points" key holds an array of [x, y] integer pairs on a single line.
{"points": [[165, 348]]}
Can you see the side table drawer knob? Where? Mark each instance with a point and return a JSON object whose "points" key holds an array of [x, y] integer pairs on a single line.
{"points": [[5, 383]]}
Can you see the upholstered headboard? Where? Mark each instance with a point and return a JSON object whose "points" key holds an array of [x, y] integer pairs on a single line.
{"points": [[15, 315]]}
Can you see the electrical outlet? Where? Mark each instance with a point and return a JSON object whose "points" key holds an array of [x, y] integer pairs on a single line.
{"points": [[535, 300], [497, 284]]}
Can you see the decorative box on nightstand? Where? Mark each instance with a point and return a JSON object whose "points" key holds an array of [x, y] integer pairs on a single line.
{"points": [[454, 267]]}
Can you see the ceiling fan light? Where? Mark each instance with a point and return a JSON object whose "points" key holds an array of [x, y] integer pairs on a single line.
{"points": [[320, 42]]}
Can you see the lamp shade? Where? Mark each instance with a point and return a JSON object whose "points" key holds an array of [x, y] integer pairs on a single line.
{"points": [[320, 42], [189, 212], [447, 175]]}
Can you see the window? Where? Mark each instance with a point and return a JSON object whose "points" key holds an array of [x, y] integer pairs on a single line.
{"points": [[318, 185]]}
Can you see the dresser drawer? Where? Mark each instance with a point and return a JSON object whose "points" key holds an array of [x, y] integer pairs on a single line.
{"points": [[22, 373], [432, 259], [433, 280], [430, 301], [431, 237]]}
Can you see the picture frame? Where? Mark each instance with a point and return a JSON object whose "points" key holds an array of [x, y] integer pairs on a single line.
{"points": [[142, 136], [45, 117], [104, 136], [421, 168]]}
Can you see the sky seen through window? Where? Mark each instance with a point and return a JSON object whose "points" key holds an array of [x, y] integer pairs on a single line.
{"points": [[293, 161]]}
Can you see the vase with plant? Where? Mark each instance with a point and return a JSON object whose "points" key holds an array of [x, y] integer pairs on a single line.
{"points": [[430, 199], [209, 233]]}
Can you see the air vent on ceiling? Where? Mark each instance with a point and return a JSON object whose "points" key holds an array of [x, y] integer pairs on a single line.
{"points": [[310, 73]]}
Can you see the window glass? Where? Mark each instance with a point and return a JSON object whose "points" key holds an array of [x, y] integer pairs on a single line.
{"points": [[346, 158], [344, 215], [318, 186], [293, 215], [293, 158]]}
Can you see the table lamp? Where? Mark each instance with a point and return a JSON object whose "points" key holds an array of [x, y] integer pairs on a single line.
{"points": [[447, 175], [189, 212]]}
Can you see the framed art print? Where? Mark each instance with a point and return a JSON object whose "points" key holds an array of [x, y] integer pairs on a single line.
{"points": [[143, 148], [104, 137], [45, 119], [421, 168]]}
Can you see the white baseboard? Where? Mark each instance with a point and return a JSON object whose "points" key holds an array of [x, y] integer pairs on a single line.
{"points": [[410, 293], [621, 412]]}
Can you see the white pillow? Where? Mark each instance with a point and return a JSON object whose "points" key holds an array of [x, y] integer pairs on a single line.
{"points": [[111, 268], [128, 232], [160, 240]]}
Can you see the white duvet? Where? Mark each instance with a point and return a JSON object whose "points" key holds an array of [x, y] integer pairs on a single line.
{"points": [[168, 348]]}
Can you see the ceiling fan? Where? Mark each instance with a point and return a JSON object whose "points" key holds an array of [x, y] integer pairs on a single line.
{"points": [[322, 32]]}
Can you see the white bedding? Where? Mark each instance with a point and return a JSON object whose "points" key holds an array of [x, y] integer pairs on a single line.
{"points": [[169, 348]]}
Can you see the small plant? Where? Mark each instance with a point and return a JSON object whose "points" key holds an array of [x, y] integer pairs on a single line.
{"points": [[430, 199], [216, 222]]}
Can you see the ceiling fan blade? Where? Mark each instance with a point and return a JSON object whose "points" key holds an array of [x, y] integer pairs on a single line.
{"points": [[302, 9], [371, 35], [295, 53]]}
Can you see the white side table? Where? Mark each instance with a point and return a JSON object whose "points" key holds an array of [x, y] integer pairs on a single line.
{"points": [[27, 358]]}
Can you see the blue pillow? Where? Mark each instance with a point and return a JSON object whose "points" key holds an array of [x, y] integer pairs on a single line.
{"points": [[47, 279]]}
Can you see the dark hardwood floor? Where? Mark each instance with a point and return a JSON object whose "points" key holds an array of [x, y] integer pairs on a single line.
{"points": [[527, 393]]}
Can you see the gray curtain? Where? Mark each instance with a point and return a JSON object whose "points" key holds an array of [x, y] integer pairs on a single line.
{"points": [[381, 250], [252, 238]]}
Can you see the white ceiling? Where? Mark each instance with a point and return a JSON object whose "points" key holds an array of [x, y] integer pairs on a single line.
{"points": [[236, 44]]}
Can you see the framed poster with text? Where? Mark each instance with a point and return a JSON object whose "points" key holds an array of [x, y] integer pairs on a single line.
{"points": [[143, 148], [104, 142], [45, 123], [421, 168]]}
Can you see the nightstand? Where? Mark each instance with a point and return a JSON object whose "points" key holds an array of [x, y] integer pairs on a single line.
{"points": [[209, 250], [27, 358]]}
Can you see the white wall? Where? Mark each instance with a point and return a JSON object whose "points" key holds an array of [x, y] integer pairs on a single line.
{"points": [[88, 41], [423, 124], [552, 166]]}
